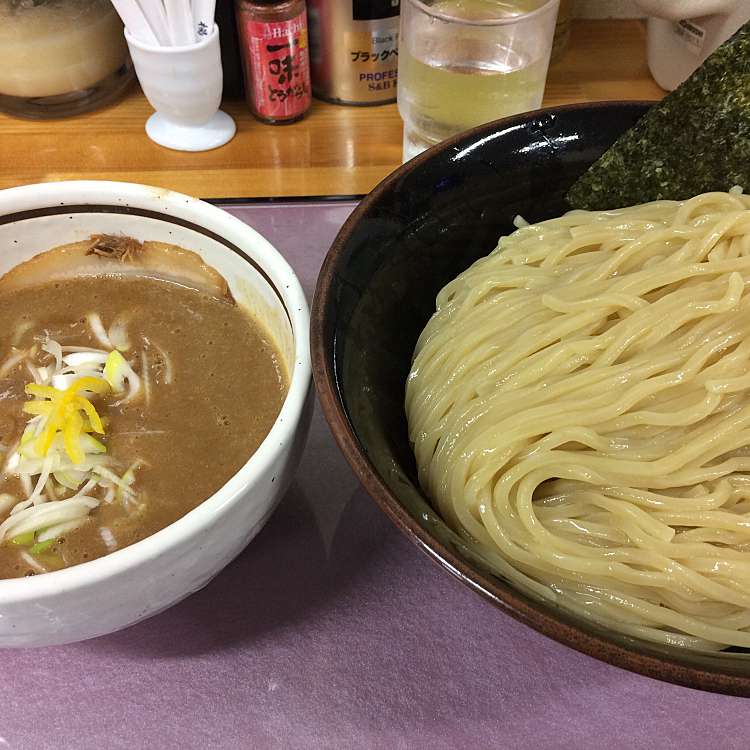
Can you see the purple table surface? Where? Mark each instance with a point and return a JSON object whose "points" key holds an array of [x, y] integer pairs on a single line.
{"points": [[332, 630]]}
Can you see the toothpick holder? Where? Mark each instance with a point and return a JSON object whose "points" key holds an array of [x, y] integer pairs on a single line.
{"points": [[183, 84]]}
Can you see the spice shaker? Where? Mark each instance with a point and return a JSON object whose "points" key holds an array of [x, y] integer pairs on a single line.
{"points": [[276, 65], [354, 50]]}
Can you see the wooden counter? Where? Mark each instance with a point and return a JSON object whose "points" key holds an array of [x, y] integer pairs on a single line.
{"points": [[334, 151]]}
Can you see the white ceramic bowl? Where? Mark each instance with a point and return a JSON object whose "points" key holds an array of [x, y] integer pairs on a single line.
{"points": [[107, 594]]}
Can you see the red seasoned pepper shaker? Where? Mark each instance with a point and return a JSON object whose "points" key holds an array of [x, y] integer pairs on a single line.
{"points": [[276, 64]]}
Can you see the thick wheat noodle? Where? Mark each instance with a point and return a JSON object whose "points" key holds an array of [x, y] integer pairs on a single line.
{"points": [[579, 407]]}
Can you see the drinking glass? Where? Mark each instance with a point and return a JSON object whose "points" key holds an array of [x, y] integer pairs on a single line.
{"points": [[60, 57], [465, 62]]}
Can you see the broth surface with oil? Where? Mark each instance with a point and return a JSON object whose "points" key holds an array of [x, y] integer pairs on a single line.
{"points": [[212, 385]]}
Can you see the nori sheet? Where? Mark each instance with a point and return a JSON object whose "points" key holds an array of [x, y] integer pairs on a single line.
{"points": [[697, 139]]}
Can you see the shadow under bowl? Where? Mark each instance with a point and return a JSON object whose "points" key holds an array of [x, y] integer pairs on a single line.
{"points": [[417, 230]]}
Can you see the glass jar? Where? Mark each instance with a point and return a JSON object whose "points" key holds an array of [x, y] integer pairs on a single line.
{"points": [[60, 57], [276, 62]]}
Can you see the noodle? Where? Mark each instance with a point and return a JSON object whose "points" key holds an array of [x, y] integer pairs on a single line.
{"points": [[579, 408]]}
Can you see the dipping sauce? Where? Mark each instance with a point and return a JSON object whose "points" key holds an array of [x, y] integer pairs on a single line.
{"points": [[197, 386]]}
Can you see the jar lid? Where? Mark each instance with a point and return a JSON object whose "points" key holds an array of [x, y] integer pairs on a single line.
{"points": [[250, 4]]}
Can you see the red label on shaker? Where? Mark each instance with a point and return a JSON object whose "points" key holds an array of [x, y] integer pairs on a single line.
{"points": [[279, 67]]}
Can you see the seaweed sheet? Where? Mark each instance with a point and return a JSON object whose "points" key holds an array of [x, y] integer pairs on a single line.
{"points": [[695, 140]]}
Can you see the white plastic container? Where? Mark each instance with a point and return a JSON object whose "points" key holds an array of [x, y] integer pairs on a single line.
{"points": [[683, 33]]}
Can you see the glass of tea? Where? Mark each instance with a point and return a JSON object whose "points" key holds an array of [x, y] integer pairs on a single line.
{"points": [[466, 62]]}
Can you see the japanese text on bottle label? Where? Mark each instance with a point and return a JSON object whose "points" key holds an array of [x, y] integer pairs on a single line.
{"points": [[374, 56], [279, 67]]}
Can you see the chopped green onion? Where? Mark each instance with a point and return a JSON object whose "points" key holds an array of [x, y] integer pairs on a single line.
{"points": [[23, 540], [91, 444], [116, 370], [40, 547], [71, 479]]}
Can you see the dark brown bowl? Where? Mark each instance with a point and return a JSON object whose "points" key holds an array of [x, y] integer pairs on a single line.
{"points": [[418, 229]]}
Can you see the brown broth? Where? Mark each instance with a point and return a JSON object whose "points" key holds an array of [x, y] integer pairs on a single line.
{"points": [[228, 387]]}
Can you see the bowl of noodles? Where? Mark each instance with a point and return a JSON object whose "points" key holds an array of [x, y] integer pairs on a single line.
{"points": [[553, 405]]}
